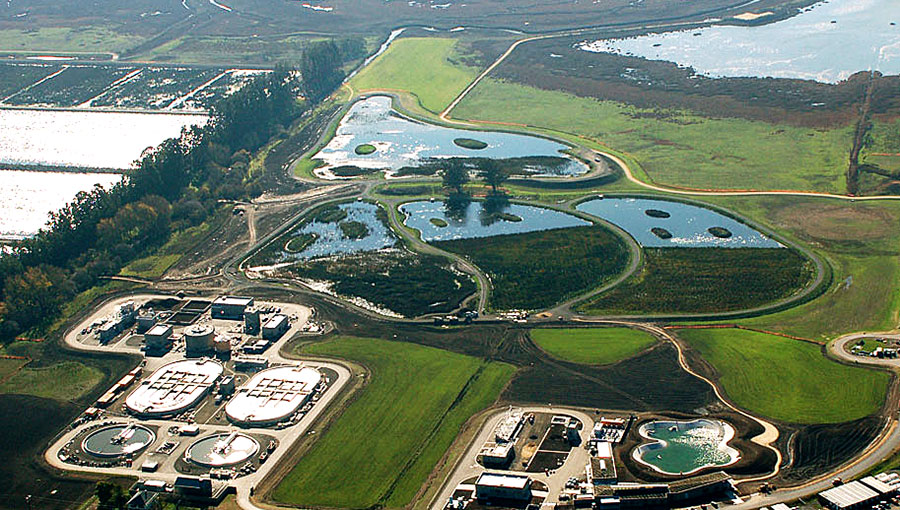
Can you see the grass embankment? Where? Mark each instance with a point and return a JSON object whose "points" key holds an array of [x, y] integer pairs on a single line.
{"points": [[861, 243], [154, 266], [383, 447], [537, 270], [68, 380], [677, 147], [787, 380], [593, 346], [428, 67], [706, 280]]}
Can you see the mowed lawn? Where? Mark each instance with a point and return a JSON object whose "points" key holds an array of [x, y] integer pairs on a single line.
{"points": [[677, 147], [786, 379], [593, 346], [381, 450], [424, 66], [68, 380]]}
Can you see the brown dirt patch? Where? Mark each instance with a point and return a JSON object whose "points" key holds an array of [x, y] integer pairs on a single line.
{"points": [[838, 222]]}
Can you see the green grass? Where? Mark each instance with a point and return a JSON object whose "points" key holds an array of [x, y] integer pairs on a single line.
{"points": [[150, 267], [675, 147], [364, 149], [9, 367], [537, 270], [68, 380], [859, 240], [705, 280], [786, 379], [428, 67], [88, 39], [391, 437], [594, 346]]}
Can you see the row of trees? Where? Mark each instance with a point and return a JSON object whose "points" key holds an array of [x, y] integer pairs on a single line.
{"points": [[172, 186]]}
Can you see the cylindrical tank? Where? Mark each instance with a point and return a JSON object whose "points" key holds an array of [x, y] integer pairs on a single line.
{"points": [[199, 339], [222, 345]]}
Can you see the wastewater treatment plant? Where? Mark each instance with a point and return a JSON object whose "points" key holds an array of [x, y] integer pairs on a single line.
{"points": [[357, 254]]}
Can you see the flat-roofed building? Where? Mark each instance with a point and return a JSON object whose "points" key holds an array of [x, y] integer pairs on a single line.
{"points": [[491, 486], [275, 327], [496, 455], [230, 307], [157, 338], [878, 486], [848, 496]]}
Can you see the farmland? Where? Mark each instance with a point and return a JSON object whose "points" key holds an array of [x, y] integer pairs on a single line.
{"points": [[401, 443], [429, 68], [677, 147], [533, 271], [593, 346], [706, 280], [821, 391]]}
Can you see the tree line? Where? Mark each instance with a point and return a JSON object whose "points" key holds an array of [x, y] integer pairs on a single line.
{"points": [[173, 186]]}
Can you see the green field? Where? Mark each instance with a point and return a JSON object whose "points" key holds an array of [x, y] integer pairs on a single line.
{"points": [[859, 240], [535, 270], [786, 379], [706, 280], [677, 147], [594, 346], [385, 444], [428, 67], [89, 39], [63, 381], [9, 366]]}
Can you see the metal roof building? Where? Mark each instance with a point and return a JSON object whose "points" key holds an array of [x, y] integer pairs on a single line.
{"points": [[503, 486], [849, 495]]}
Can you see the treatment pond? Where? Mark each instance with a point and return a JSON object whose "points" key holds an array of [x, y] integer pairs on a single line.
{"points": [[437, 222], [374, 136], [668, 224], [684, 447]]}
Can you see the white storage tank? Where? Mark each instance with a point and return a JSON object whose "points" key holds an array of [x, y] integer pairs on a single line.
{"points": [[199, 339]]}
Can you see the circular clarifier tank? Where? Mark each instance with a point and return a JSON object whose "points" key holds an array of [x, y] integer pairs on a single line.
{"points": [[118, 440], [222, 450]]}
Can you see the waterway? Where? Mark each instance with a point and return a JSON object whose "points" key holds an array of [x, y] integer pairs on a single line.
{"points": [[473, 220], [688, 225], [401, 142], [827, 43]]}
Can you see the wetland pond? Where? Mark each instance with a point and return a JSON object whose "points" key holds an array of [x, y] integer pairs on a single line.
{"points": [[668, 224], [683, 447], [473, 220], [827, 42], [403, 143], [356, 228]]}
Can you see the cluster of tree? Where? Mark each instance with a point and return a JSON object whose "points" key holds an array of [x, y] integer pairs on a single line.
{"points": [[456, 174], [172, 186], [111, 496]]}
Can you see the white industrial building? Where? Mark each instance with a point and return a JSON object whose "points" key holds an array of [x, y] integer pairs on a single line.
{"points": [[230, 307], [273, 395], [275, 327], [856, 494], [174, 388], [491, 486]]}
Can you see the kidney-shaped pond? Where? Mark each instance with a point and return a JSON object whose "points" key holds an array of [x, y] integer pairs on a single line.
{"points": [[437, 221], [664, 223], [373, 136], [683, 447]]}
